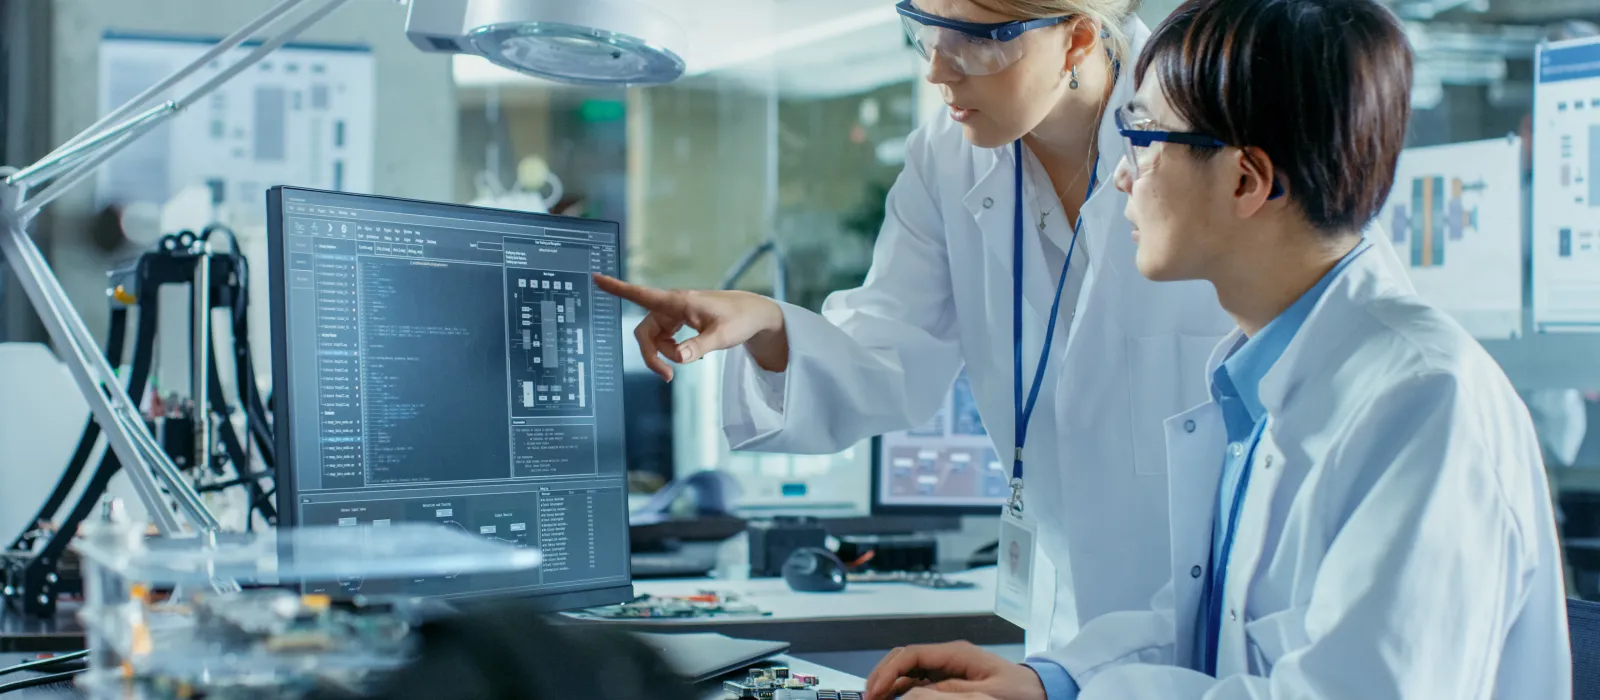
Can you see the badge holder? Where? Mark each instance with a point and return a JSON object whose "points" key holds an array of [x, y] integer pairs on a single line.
{"points": [[1013, 599]]}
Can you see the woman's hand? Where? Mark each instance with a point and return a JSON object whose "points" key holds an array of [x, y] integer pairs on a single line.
{"points": [[723, 319], [954, 669]]}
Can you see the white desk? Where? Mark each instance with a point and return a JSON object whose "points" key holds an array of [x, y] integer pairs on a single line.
{"points": [[856, 600], [863, 617]]}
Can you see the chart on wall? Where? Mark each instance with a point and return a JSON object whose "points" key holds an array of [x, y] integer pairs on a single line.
{"points": [[303, 116], [1455, 216], [1566, 185]]}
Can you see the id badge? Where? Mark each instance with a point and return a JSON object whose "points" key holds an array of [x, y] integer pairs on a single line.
{"points": [[1013, 599]]}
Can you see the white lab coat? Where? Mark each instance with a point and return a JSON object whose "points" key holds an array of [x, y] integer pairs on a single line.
{"points": [[1396, 538], [939, 295]]}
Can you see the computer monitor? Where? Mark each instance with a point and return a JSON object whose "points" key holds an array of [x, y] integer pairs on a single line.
{"points": [[451, 364], [946, 467]]}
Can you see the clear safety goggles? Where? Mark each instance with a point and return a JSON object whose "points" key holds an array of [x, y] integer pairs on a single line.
{"points": [[971, 48], [1140, 133]]}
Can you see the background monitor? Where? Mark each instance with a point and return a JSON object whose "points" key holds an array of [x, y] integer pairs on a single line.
{"points": [[450, 364], [768, 484], [948, 466], [649, 399]]}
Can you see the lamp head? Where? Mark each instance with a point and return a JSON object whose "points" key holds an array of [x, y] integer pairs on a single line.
{"points": [[588, 42]]}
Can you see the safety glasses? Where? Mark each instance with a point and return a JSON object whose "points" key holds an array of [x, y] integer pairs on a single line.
{"points": [[971, 48], [1139, 133]]}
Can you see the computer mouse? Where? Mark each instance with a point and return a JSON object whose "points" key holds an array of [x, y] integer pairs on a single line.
{"points": [[814, 570]]}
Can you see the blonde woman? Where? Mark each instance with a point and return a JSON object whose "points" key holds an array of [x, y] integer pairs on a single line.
{"points": [[1005, 251]]}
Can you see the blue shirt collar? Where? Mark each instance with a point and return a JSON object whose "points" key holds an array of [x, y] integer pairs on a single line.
{"points": [[1239, 377]]}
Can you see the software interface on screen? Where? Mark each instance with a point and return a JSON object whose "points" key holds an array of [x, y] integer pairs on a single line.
{"points": [[950, 461], [457, 366]]}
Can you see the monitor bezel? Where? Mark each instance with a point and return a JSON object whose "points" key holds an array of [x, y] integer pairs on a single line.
{"points": [[282, 394]]}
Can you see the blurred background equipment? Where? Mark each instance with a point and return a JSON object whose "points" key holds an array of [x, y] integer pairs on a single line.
{"points": [[512, 34], [157, 628], [192, 429], [605, 42]]}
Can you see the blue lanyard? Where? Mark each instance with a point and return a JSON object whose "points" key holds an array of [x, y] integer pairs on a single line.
{"points": [[1024, 409], [1219, 569]]}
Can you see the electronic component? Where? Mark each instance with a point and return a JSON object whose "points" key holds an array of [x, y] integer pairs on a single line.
{"points": [[705, 604], [921, 579], [777, 683], [281, 622], [331, 647], [167, 617], [890, 552], [772, 541]]}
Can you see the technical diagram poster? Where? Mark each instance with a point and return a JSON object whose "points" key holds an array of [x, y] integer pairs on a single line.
{"points": [[303, 116], [1566, 186], [1455, 216]]}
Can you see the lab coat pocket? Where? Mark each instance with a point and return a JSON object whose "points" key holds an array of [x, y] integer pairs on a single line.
{"points": [[1166, 376], [1272, 636]]}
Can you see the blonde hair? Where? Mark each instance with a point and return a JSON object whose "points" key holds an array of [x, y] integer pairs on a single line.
{"points": [[1108, 14]]}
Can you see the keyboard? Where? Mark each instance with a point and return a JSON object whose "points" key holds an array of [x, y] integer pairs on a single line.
{"points": [[815, 694]]}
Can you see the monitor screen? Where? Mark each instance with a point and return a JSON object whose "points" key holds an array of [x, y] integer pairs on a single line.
{"points": [[948, 465], [455, 365]]}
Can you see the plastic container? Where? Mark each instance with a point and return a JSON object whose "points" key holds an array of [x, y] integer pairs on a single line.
{"points": [[170, 618]]}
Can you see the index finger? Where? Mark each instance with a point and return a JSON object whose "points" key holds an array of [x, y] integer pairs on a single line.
{"points": [[651, 299]]}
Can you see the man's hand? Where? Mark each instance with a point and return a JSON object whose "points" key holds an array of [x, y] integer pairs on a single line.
{"points": [[944, 671]]}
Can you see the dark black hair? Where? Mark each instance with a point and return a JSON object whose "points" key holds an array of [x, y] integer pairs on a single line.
{"points": [[1323, 87]]}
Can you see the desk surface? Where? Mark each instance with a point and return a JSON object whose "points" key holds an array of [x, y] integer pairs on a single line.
{"points": [[875, 600], [864, 616], [711, 691]]}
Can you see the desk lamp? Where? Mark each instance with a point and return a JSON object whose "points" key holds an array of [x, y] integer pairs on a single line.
{"points": [[587, 42]]}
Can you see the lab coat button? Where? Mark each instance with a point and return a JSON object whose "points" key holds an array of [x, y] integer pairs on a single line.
{"points": [[988, 202], [1237, 449], [1233, 615], [1195, 572], [1188, 426], [1267, 464]]}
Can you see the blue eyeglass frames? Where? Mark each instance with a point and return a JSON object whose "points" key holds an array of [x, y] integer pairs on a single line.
{"points": [[970, 48], [997, 31], [1137, 140]]}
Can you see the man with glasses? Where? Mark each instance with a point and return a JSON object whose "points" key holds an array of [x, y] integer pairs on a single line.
{"points": [[1360, 510]]}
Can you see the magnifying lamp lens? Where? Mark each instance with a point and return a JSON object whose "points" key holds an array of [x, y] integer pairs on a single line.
{"points": [[578, 54]]}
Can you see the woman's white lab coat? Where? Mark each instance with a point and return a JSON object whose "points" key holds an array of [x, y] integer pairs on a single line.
{"points": [[1127, 354], [1396, 538]]}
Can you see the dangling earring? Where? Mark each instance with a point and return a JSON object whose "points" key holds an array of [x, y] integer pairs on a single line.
{"points": [[1074, 83]]}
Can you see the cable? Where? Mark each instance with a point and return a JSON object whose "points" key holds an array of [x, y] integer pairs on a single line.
{"points": [[263, 498], [40, 680], [45, 663]]}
